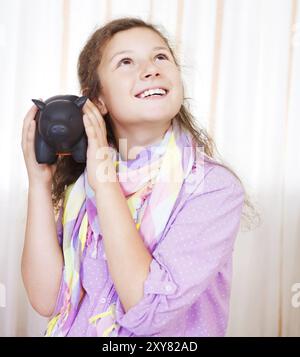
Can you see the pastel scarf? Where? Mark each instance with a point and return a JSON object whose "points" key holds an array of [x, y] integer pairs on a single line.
{"points": [[151, 191]]}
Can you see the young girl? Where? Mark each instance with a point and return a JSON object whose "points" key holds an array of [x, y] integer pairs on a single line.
{"points": [[147, 227]]}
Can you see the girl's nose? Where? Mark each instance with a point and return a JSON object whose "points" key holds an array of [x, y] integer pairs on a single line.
{"points": [[148, 68], [155, 74], [150, 71]]}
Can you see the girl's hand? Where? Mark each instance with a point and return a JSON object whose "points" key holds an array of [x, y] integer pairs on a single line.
{"points": [[99, 163], [38, 174]]}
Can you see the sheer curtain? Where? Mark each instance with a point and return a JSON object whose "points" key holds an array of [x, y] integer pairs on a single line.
{"points": [[241, 68]]}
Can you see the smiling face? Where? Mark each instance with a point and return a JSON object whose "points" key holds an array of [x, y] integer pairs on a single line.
{"points": [[147, 63]]}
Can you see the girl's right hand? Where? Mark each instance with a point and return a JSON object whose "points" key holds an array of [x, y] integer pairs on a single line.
{"points": [[38, 174]]}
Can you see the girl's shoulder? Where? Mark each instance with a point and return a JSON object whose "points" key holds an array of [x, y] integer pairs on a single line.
{"points": [[210, 175]]}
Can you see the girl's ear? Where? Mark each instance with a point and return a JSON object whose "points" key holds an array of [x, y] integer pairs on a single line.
{"points": [[102, 106]]}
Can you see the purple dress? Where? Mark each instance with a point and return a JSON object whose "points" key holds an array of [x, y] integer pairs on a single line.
{"points": [[187, 290]]}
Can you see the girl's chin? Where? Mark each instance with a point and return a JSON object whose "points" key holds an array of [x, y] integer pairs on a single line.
{"points": [[154, 118], [151, 120]]}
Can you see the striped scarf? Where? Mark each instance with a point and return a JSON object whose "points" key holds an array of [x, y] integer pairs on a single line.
{"points": [[151, 189]]}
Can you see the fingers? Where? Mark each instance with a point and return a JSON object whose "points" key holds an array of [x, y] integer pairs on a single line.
{"points": [[94, 133], [30, 140], [28, 130], [89, 127], [29, 117], [93, 112], [94, 122]]}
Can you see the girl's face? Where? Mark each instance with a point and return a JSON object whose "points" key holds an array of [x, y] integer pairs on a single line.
{"points": [[145, 62]]}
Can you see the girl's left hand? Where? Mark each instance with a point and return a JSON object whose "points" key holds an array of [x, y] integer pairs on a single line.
{"points": [[98, 149]]}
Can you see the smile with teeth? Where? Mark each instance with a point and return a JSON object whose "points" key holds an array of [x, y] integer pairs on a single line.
{"points": [[152, 92]]}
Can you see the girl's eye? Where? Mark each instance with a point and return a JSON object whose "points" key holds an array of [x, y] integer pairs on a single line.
{"points": [[127, 59], [124, 60], [164, 56]]}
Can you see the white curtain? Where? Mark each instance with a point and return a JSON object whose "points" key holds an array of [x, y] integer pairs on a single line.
{"points": [[241, 67]]}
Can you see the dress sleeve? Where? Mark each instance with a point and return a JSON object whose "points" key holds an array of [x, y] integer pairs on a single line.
{"points": [[198, 244]]}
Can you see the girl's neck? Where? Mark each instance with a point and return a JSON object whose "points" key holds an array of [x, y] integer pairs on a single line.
{"points": [[131, 143]]}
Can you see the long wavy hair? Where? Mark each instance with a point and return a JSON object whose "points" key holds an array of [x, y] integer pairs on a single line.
{"points": [[67, 170]]}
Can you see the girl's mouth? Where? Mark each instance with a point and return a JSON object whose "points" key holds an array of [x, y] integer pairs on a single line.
{"points": [[154, 96]]}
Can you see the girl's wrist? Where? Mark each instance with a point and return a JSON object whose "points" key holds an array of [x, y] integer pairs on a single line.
{"points": [[39, 185]]}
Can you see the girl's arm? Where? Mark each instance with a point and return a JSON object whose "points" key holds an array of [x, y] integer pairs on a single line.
{"points": [[128, 258], [42, 259]]}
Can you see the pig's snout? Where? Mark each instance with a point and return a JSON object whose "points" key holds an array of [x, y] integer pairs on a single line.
{"points": [[59, 129]]}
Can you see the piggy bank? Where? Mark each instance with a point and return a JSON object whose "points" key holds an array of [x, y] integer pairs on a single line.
{"points": [[60, 129]]}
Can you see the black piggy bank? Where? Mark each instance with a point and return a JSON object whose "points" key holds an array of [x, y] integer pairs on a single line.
{"points": [[60, 129]]}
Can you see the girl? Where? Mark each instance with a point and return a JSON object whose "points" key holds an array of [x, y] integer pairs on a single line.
{"points": [[146, 228]]}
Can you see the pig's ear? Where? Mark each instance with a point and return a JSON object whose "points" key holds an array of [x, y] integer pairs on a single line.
{"points": [[40, 104], [80, 101]]}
